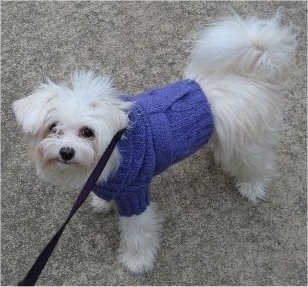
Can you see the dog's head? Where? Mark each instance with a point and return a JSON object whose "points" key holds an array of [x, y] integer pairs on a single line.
{"points": [[68, 128]]}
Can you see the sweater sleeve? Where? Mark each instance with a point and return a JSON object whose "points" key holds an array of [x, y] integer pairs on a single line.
{"points": [[130, 201], [133, 201]]}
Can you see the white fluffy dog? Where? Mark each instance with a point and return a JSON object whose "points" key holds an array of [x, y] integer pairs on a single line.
{"points": [[238, 63]]}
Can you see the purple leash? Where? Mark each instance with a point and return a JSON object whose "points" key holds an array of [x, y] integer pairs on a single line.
{"points": [[38, 266]]}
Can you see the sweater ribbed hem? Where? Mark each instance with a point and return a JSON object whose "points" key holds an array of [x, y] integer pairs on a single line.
{"points": [[132, 203]]}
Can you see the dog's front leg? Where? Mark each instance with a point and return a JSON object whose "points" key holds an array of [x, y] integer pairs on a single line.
{"points": [[140, 240], [101, 205]]}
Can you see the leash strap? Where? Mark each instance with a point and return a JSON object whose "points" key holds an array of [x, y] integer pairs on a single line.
{"points": [[38, 266]]}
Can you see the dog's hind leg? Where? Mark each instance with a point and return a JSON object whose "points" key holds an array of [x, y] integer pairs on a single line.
{"points": [[247, 118], [252, 172], [253, 178]]}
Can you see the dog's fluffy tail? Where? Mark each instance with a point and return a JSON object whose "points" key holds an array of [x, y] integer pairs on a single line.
{"points": [[243, 46]]}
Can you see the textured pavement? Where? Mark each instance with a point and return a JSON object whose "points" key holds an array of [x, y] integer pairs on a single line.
{"points": [[212, 236]]}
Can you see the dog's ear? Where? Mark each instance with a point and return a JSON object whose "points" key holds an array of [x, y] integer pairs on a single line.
{"points": [[31, 111]]}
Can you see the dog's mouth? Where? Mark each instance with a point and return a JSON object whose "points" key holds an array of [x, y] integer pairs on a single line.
{"points": [[67, 162], [60, 162]]}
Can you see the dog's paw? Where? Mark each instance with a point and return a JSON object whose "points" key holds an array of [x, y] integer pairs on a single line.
{"points": [[253, 191], [100, 205], [140, 261]]}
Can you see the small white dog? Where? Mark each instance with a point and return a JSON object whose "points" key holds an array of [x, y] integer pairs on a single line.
{"points": [[231, 97]]}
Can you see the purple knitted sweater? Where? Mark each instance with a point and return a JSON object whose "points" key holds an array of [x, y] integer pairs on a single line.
{"points": [[166, 125]]}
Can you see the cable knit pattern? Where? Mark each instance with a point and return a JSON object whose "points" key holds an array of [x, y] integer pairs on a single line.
{"points": [[166, 125]]}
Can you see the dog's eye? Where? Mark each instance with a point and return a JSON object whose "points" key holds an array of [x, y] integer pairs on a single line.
{"points": [[53, 128], [86, 132]]}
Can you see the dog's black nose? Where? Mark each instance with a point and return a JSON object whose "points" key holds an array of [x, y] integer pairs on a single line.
{"points": [[67, 153]]}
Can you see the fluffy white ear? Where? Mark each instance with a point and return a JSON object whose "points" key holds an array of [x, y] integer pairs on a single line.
{"points": [[31, 111]]}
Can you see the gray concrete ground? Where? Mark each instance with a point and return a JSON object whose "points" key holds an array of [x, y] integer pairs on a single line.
{"points": [[212, 236]]}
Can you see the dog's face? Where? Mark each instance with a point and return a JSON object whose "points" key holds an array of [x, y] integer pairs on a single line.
{"points": [[68, 129]]}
